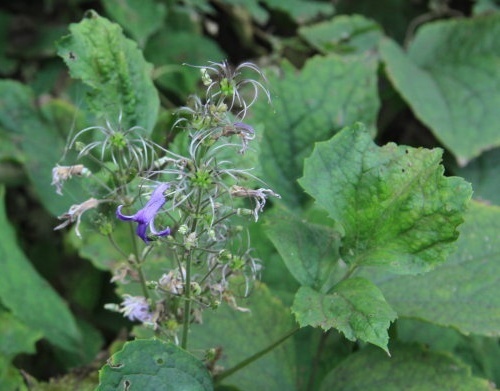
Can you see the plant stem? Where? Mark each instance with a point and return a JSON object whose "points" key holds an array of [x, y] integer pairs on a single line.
{"points": [[187, 283], [254, 357]]}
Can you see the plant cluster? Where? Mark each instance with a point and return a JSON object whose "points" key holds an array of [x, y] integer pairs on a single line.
{"points": [[135, 252]]}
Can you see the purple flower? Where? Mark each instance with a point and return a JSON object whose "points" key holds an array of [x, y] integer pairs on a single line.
{"points": [[145, 217]]}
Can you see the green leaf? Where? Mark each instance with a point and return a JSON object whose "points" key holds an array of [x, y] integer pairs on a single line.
{"points": [[312, 105], [141, 18], [154, 365], [482, 354], [29, 297], [463, 292], [343, 34], [301, 10], [482, 172], [447, 78], [170, 73], [410, 368], [113, 67], [310, 251], [395, 16], [355, 306], [10, 377], [395, 205], [42, 140], [242, 334], [98, 248], [16, 336]]}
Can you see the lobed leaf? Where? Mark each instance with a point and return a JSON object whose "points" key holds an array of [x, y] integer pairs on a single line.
{"points": [[396, 207], [355, 306], [152, 364], [115, 70]]}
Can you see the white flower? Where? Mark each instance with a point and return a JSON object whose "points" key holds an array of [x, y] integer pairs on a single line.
{"points": [[136, 308]]}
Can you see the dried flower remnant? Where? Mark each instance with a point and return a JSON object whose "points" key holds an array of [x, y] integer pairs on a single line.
{"points": [[61, 174], [145, 216], [75, 213], [136, 308], [259, 196]]}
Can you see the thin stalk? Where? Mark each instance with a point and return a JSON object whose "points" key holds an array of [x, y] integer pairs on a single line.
{"points": [[316, 359], [138, 258], [254, 357], [187, 285]]}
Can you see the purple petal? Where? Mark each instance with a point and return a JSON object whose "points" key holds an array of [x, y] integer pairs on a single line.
{"points": [[141, 232], [153, 230], [123, 217]]}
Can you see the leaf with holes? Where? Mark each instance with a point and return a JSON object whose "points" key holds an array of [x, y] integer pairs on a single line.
{"points": [[151, 364]]}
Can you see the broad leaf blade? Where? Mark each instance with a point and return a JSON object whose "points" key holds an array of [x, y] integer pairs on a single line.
{"points": [[154, 365], [451, 65], [113, 67], [40, 140], [409, 368], [463, 292], [16, 336], [141, 18], [355, 307], [343, 34], [395, 205], [242, 334], [38, 307], [310, 251], [311, 105]]}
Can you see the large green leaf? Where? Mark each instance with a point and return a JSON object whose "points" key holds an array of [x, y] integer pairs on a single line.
{"points": [[114, 68], [449, 78], [140, 18], [42, 141], [355, 306], [463, 292], [482, 354], [411, 368], [29, 297], [154, 365], [311, 105], [343, 34], [396, 207], [16, 336], [310, 251], [242, 334]]}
